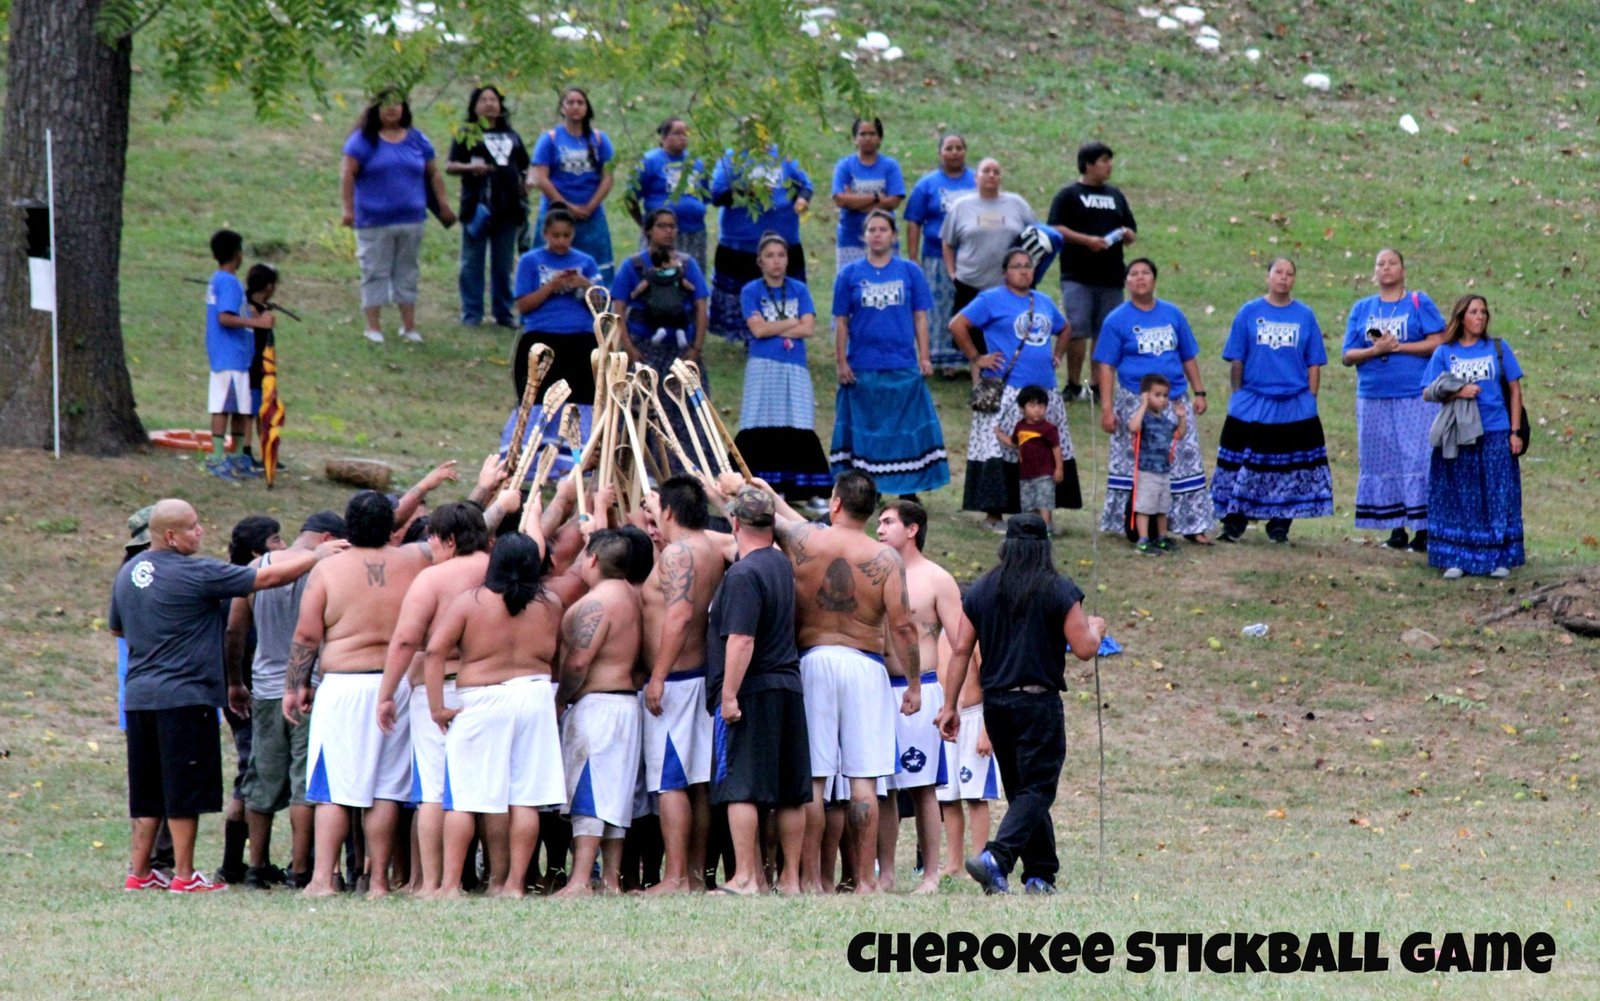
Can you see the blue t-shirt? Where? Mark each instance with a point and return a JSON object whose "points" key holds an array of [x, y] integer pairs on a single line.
{"points": [[559, 314], [852, 177], [790, 302], [228, 349], [1137, 342], [1002, 315], [657, 182], [1155, 440], [784, 181], [1278, 345], [629, 274], [172, 609], [1477, 364], [575, 169], [389, 186], [880, 304], [1391, 376], [930, 199]]}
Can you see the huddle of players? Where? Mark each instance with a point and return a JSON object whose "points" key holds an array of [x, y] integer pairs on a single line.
{"points": [[567, 669]]}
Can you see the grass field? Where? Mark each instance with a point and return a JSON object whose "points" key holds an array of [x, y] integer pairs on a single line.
{"points": [[1326, 777]]}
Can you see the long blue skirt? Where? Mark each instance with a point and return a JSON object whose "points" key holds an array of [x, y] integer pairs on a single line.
{"points": [[885, 424], [1272, 470], [1392, 442], [1475, 507]]}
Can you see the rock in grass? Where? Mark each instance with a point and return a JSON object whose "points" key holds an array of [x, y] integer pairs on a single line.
{"points": [[1419, 639]]}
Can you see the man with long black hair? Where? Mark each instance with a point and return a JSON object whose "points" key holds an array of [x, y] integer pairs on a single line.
{"points": [[1026, 616]]}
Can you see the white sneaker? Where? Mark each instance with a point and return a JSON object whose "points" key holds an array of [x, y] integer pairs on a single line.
{"points": [[411, 337], [375, 336], [1454, 573], [1498, 572]]}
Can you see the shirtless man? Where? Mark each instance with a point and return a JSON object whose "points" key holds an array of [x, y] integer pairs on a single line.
{"points": [[459, 540], [600, 733], [677, 727], [850, 595], [935, 608], [349, 611], [501, 747]]}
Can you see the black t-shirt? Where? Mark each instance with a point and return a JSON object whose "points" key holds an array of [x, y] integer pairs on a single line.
{"points": [[502, 149], [1093, 212], [755, 598], [1025, 649]]}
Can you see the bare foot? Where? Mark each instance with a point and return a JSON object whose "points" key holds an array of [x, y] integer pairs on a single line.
{"points": [[951, 873], [886, 884], [788, 889], [813, 887], [316, 889], [866, 886], [667, 886], [576, 888], [513, 892], [739, 889], [928, 885], [377, 890]]}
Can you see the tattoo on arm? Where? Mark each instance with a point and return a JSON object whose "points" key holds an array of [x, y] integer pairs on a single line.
{"points": [[792, 537], [375, 572], [677, 573], [583, 624], [905, 590], [302, 661]]}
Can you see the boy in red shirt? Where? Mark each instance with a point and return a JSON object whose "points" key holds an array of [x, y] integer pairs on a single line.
{"points": [[1038, 445]]}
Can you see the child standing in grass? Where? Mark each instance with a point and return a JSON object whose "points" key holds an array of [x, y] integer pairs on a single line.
{"points": [[1157, 425], [1038, 445], [230, 346]]}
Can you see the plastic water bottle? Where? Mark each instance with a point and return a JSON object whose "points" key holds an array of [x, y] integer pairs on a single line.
{"points": [[1256, 629], [1114, 237]]}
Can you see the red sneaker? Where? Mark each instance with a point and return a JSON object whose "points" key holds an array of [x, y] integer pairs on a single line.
{"points": [[198, 883], [148, 882]]}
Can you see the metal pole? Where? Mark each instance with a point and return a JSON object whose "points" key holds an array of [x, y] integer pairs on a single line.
{"points": [[55, 310]]}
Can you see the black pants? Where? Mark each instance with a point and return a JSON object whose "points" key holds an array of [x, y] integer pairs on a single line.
{"points": [[1029, 734]]}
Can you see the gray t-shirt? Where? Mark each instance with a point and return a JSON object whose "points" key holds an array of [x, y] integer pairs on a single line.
{"points": [[276, 611], [980, 231], [173, 609]]}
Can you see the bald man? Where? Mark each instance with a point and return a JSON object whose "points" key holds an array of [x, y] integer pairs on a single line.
{"points": [[172, 608]]}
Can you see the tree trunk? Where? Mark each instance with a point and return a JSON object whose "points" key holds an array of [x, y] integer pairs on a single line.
{"points": [[62, 74]]}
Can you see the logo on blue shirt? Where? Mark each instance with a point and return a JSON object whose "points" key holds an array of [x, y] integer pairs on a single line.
{"points": [[1277, 335], [1156, 340], [1472, 369], [882, 295]]}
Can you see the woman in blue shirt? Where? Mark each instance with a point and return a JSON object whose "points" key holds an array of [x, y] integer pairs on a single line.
{"points": [[1021, 332], [1272, 461], [1389, 338], [883, 418], [660, 183], [777, 418], [863, 181], [386, 165], [1475, 499], [569, 164], [1145, 336], [738, 180], [925, 211]]}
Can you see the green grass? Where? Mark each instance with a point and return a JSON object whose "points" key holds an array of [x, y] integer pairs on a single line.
{"points": [[1323, 778]]}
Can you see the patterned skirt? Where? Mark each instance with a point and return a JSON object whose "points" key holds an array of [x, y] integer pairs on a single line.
{"points": [[845, 256], [1191, 506], [1475, 507], [776, 436], [992, 468], [885, 424], [1269, 470], [1392, 443], [941, 349]]}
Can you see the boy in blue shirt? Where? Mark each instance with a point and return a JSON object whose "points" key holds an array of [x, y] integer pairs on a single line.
{"points": [[1158, 423], [230, 347]]}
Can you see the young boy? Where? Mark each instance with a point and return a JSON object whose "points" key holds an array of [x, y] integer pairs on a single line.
{"points": [[665, 290], [229, 348], [1159, 425], [1038, 446]]}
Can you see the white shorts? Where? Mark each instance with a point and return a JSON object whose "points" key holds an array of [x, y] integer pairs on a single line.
{"points": [[502, 750], [677, 744], [229, 393], [427, 747], [850, 712], [964, 774], [916, 738], [352, 762], [600, 737]]}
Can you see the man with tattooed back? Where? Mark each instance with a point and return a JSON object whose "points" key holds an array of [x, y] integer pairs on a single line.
{"points": [[850, 597], [677, 727], [600, 731], [347, 615]]}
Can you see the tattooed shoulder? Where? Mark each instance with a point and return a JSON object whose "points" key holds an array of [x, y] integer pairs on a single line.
{"points": [[792, 536], [878, 569], [583, 621], [676, 572]]}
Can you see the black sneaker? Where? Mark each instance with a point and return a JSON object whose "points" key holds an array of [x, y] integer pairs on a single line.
{"points": [[1419, 542], [1165, 544], [296, 880], [227, 875], [263, 878], [1397, 539]]}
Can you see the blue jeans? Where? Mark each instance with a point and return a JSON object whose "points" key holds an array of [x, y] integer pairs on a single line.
{"points": [[499, 244]]}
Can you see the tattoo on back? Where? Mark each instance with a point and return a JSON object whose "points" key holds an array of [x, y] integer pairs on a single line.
{"points": [[677, 573], [375, 572], [584, 623], [793, 539], [880, 566], [838, 591]]}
